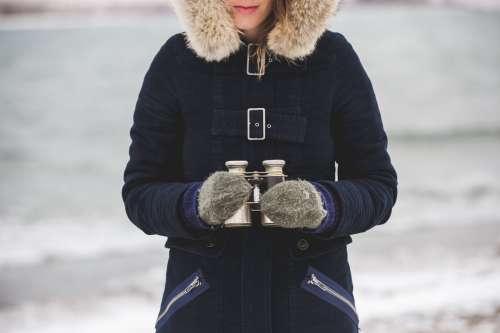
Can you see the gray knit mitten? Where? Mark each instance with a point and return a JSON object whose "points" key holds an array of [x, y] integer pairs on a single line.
{"points": [[221, 195], [293, 204]]}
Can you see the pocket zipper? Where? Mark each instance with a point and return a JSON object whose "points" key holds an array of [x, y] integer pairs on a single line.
{"points": [[313, 279], [194, 284]]}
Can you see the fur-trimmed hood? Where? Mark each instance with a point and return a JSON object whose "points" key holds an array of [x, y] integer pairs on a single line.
{"points": [[212, 34]]}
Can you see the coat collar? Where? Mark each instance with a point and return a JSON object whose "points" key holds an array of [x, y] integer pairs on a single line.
{"points": [[237, 63], [213, 36]]}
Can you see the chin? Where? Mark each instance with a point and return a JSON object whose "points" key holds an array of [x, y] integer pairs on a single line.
{"points": [[246, 26]]}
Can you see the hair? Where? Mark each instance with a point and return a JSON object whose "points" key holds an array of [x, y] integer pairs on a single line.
{"points": [[278, 14]]}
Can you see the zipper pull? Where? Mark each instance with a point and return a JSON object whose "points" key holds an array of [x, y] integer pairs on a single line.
{"points": [[195, 283], [312, 279]]}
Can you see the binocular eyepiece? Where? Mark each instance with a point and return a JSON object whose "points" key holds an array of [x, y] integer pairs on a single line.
{"points": [[261, 181]]}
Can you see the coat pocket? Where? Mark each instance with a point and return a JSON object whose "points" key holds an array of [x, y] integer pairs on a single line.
{"points": [[330, 291], [185, 292]]}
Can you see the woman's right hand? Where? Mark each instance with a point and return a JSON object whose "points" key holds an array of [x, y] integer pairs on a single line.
{"points": [[221, 195]]}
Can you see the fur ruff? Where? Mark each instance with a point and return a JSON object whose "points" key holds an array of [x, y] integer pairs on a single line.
{"points": [[211, 33]]}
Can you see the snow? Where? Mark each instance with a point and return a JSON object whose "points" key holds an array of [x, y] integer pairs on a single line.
{"points": [[48, 240]]}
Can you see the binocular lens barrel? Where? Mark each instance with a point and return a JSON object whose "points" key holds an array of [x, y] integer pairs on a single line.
{"points": [[261, 182]]}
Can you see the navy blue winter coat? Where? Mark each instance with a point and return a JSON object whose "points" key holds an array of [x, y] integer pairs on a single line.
{"points": [[190, 118]]}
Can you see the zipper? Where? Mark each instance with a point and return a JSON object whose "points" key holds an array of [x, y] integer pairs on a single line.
{"points": [[313, 279], [194, 284]]}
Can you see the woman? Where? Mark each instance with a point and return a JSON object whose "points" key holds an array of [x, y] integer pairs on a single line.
{"points": [[316, 106]]}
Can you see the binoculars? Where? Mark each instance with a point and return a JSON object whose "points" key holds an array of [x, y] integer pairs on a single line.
{"points": [[261, 181]]}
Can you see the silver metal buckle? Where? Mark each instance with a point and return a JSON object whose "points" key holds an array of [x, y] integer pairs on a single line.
{"points": [[263, 123], [248, 62]]}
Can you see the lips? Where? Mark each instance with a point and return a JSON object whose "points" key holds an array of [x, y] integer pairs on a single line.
{"points": [[246, 10]]}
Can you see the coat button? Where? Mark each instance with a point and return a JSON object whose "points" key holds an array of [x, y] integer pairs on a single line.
{"points": [[210, 244], [302, 244]]}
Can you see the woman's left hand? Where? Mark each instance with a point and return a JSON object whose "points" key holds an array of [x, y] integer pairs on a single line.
{"points": [[293, 204]]}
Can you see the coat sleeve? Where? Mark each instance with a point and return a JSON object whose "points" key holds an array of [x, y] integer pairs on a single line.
{"points": [[153, 188], [366, 189]]}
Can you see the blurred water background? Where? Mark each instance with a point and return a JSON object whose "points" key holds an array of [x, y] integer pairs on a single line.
{"points": [[71, 261]]}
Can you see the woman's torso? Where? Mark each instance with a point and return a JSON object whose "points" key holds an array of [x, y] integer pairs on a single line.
{"points": [[255, 279]]}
